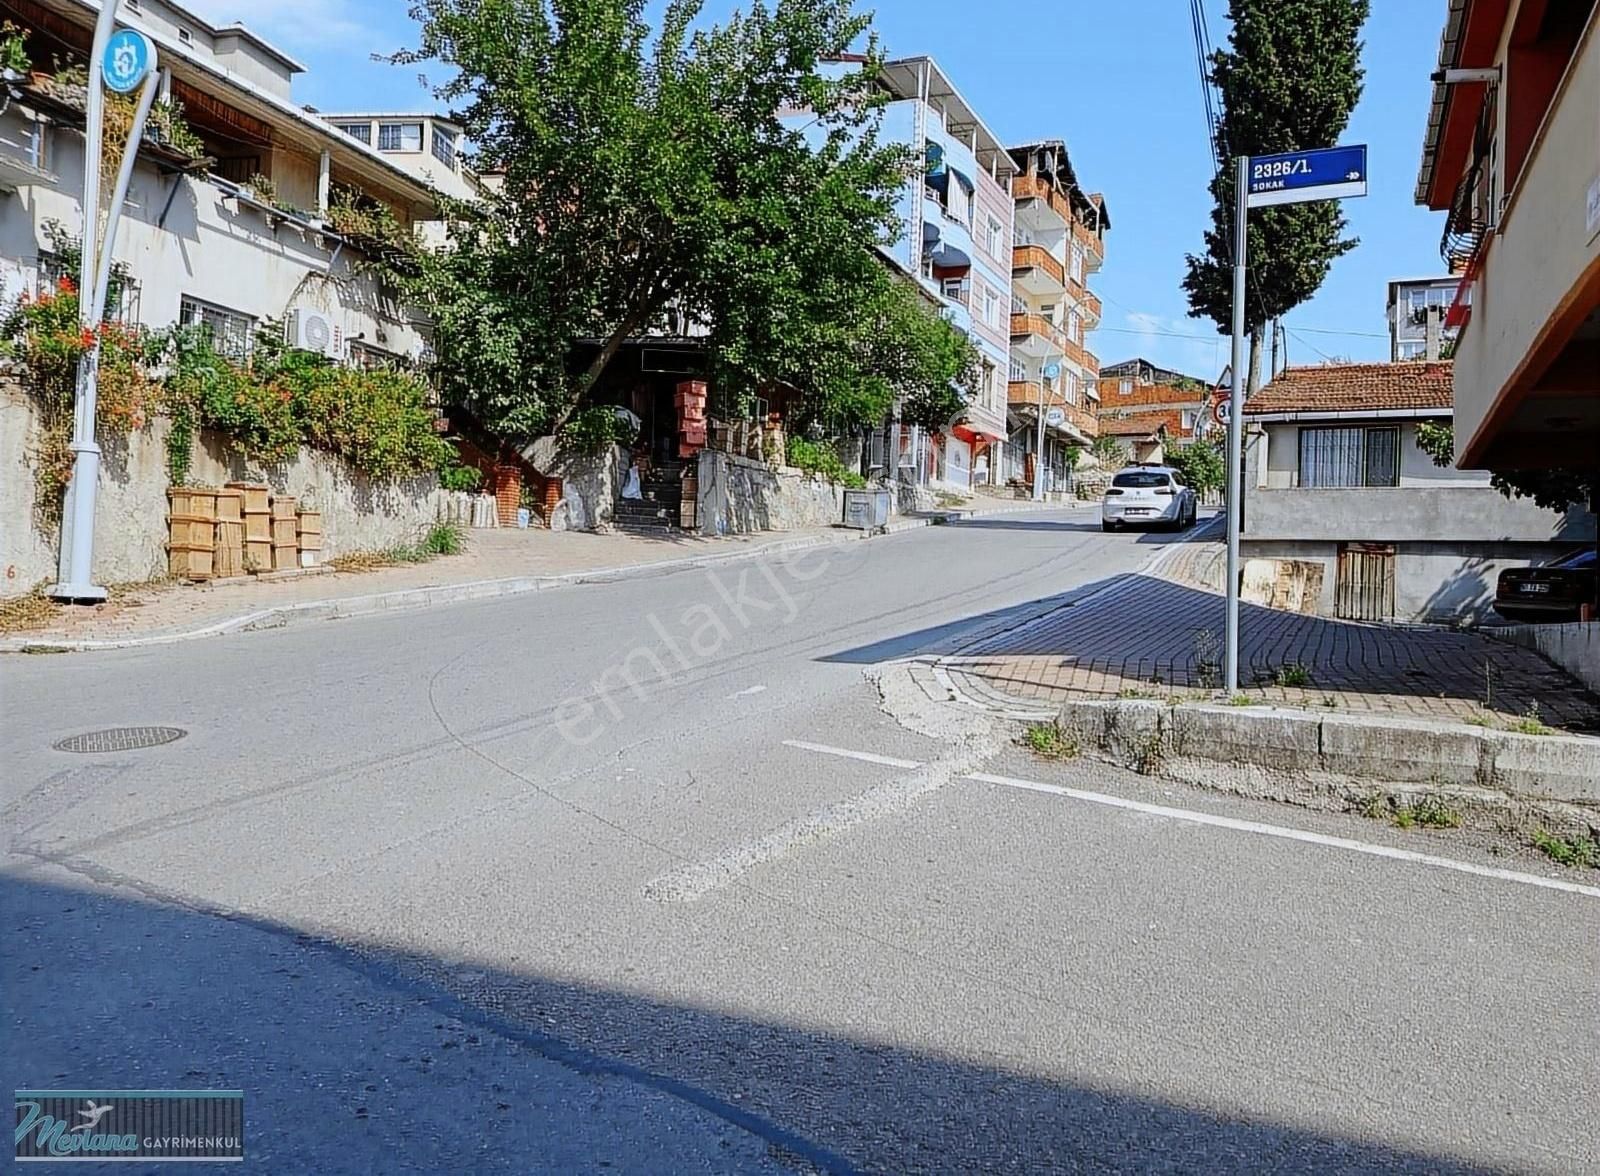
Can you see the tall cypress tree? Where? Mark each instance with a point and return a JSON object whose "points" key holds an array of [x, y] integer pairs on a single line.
{"points": [[1289, 79]]}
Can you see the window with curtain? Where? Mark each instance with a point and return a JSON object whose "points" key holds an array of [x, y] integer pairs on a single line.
{"points": [[405, 136], [1334, 457]]}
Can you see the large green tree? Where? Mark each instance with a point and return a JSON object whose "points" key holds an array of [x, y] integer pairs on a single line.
{"points": [[645, 174], [1289, 79]]}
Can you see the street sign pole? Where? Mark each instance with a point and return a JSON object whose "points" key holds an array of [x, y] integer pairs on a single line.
{"points": [[1038, 452], [1230, 661], [123, 61], [1293, 177]]}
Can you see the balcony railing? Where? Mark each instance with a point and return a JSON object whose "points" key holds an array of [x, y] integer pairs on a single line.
{"points": [[1027, 394], [1034, 188], [1026, 257], [1037, 324]]}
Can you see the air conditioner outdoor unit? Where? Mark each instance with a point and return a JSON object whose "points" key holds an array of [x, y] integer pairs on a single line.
{"points": [[314, 330]]}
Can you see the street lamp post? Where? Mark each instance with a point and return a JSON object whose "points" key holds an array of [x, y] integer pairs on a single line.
{"points": [[121, 60]]}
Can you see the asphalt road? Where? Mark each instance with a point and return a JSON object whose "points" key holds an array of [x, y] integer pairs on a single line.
{"points": [[642, 877]]}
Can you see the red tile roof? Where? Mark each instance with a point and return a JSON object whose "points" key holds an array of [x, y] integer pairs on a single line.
{"points": [[1138, 424], [1355, 387]]}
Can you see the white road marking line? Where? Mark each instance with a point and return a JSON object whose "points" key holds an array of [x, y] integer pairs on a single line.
{"points": [[747, 691], [865, 757], [694, 880], [1239, 826]]}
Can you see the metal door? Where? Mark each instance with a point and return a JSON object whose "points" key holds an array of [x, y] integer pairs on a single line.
{"points": [[1364, 587]]}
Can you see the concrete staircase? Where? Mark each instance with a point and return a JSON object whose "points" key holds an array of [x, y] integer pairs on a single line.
{"points": [[659, 511]]}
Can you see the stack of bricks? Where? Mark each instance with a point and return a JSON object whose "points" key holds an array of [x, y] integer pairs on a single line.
{"points": [[690, 400], [507, 489]]}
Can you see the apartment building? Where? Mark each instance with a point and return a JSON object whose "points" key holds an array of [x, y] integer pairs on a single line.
{"points": [[262, 211], [958, 222], [1511, 155], [1058, 241], [1416, 310], [1143, 396]]}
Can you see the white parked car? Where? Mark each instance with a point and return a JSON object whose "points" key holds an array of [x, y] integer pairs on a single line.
{"points": [[1148, 494]]}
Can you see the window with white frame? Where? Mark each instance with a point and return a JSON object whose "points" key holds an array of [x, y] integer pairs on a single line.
{"points": [[360, 131], [1074, 327], [954, 289], [1077, 263], [997, 235], [400, 136], [1019, 371], [1124, 387], [231, 332], [991, 307], [1069, 387], [1187, 418], [444, 147]]}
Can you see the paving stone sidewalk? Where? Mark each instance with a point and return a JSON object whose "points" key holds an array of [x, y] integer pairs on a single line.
{"points": [[1144, 635], [168, 609]]}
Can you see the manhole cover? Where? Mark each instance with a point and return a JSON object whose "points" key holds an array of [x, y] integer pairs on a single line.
{"points": [[121, 739]]}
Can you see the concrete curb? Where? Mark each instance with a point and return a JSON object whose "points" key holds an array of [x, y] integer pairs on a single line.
{"points": [[1304, 756], [370, 604]]}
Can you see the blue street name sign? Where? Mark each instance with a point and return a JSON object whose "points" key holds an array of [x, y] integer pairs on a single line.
{"points": [[1330, 173], [126, 62]]}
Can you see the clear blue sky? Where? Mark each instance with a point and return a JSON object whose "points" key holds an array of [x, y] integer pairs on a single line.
{"points": [[1116, 80]]}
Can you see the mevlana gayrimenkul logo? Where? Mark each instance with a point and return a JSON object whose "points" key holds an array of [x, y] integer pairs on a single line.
{"points": [[87, 1139]]}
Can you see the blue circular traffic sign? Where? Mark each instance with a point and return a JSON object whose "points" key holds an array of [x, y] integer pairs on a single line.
{"points": [[129, 57]]}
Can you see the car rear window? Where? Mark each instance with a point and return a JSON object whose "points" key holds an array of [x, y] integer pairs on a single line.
{"points": [[1139, 481]]}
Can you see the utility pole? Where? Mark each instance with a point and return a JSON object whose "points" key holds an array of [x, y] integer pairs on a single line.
{"points": [[1038, 449]]}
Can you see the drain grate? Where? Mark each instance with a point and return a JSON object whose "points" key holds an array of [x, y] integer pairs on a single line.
{"points": [[120, 739]]}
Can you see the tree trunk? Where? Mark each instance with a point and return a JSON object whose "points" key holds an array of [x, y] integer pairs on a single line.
{"points": [[1255, 362], [597, 366]]}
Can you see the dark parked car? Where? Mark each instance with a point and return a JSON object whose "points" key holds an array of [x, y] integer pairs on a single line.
{"points": [[1553, 592]]}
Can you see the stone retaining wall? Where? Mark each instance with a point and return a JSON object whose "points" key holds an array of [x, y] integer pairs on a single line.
{"points": [[358, 512], [737, 496]]}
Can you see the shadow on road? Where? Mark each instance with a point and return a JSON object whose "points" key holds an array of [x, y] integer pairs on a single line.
{"points": [[1138, 632], [353, 1062]]}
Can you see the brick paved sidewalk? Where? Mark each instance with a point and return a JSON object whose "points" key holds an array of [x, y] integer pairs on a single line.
{"points": [[1146, 636], [166, 609]]}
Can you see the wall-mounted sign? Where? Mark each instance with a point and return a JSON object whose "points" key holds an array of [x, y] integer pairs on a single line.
{"points": [[1054, 417]]}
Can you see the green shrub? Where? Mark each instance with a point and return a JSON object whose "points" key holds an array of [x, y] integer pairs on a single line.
{"points": [[818, 458], [595, 429], [379, 421], [460, 477], [442, 539]]}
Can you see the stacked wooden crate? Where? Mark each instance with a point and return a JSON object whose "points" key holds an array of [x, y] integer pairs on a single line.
{"points": [[257, 513], [310, 538], [229, 557], [688, 517], [285, 533], [192, 523]]}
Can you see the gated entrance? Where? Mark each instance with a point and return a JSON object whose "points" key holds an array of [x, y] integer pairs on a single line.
{"points": [[1363, 589]]}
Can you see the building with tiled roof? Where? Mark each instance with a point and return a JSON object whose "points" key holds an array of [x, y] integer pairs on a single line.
{"points": [[1356, 387], [1347, 515]]}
